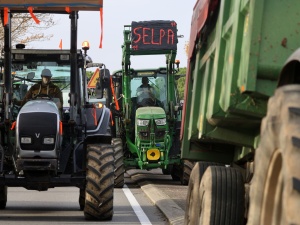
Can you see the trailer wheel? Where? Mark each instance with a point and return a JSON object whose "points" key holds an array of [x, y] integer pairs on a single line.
{"points": [[221, 197], [99, 183], [119, 163], [3, 196], [81, 198], [192, 204], [275, 191]]}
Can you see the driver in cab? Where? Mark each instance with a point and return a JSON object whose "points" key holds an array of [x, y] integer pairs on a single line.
{"points": [[145, 93], [44, 87]]}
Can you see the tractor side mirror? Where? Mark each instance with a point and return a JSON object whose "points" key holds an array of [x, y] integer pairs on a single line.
{"points": [[30, 75], [102, 82]]}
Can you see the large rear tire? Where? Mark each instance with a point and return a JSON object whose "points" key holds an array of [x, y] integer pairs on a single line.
{"points": [[99, 183], [275, 191], [81, 198], [3, 197], [119, 163], [221, 197]]}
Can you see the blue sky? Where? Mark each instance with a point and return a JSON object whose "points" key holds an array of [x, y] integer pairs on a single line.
{"points": [[118, 13]]}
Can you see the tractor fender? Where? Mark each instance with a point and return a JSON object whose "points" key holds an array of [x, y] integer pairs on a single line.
{"points": [[291, 70], [100, 120]]}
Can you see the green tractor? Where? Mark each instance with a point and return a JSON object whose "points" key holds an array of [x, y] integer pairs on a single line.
{"points": [[145, 105]]}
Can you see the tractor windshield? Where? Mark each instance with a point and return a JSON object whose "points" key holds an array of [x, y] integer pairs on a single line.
{"points": [[25, 75], [155, 88]]}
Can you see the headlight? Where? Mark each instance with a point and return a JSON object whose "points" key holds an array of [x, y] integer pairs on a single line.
{"points": [[160, 122], [26, 140], [98, 105], [142, 122], [48, 141]]}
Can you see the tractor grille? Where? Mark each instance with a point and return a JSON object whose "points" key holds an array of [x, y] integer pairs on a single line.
{"points": [[145, 134], [160, 133], [37, 126]]}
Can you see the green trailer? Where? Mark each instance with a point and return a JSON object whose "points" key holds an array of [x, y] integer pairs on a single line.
{"points": [[242, 111]]}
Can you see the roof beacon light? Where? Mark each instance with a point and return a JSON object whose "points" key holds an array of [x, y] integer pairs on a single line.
{"points": [[85, 45], [177, 62]]}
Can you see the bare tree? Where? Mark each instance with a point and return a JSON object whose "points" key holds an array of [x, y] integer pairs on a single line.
{"points": [[25, 30]]}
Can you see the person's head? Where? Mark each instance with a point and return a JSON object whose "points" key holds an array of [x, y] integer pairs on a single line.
{"points": [[145, 80], [46, 76]]}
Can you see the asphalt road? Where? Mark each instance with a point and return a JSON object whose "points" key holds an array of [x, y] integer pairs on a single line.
{"points": [[168, 195], [149, 197]]}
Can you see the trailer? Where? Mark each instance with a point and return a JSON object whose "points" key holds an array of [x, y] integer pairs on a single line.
{"points": [[241, 113]]}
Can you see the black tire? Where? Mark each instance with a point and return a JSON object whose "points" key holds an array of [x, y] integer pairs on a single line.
{"points": [[192, 204], [221, 197], [3, 197], [182, 172], [168, 170], [186, 173], [119, 163], [99, 183], [275, 189], [176, 172], [81, 198]]}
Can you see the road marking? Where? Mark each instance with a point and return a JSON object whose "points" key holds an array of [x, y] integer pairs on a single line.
{"points": [[136, 207]]}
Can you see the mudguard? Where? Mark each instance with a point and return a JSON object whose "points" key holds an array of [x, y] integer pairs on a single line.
{"points": [[290, 70], [97, 121]]}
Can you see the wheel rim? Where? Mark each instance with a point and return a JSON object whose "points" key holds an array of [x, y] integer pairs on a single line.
{"points": [[273, 192]]}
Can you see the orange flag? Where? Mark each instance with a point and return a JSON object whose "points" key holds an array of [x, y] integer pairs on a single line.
{"points": [[101, 21], [30, 9], [5, 15], [60, 44], [68, 10]]}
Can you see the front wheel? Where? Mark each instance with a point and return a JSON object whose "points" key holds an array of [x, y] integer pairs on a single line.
{"points": [[99, 183], [186, 173], [168, 170], [182, 172], [81, 198], [3, 197], [119, 163]]}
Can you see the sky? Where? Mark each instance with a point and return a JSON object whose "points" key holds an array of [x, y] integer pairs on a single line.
{"points": [[116, 14]]}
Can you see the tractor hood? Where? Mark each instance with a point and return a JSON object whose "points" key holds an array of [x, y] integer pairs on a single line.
{"points": [[40, 106], [38, 130], [150, 113]]}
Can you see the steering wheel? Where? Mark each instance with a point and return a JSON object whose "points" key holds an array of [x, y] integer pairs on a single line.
{"points": [[42, 96], [147, 102]]}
